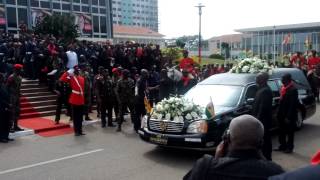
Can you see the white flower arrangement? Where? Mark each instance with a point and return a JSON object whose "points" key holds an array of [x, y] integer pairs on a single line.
{"points": [[176, 109], [252, 66]]}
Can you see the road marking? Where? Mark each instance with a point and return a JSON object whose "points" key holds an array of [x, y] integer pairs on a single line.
{"points": [[48, 162]]}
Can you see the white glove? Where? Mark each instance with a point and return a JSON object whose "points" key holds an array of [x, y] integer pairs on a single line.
{"points": [[71, 72]]}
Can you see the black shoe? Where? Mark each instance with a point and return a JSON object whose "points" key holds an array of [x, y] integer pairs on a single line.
{"points": [[88, 119], [57, 122], [103, 125], [111, 125], [119, 129], [77, 134], [12, 131], [288, 151], [18, 129], [82, 134], [3, 141]]}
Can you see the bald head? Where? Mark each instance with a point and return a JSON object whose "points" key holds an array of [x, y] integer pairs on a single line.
{"points": [[262, 79], [246, 132]]}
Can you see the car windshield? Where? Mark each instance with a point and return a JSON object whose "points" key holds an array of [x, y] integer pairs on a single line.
{"points": [[221, 95]]}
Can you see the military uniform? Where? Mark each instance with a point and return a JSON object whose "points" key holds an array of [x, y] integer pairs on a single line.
{"points": [[64, 91], [105, 94], [14, 85], [87, 94], [125, 94]]}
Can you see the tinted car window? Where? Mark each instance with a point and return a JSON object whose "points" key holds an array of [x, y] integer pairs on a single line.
{"points": [[251, 92], [221, 95], [274, 88]]}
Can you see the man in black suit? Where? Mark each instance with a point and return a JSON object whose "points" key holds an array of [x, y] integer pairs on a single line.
{"points": [[287, 114], [262, 110], [4, 112]]}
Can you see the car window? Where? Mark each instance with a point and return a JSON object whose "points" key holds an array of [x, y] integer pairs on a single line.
{"points": [[274, 88], [251, 92], [301, 91]]}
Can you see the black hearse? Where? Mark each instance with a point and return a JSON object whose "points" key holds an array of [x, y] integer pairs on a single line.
{"points": [[232, 95]]}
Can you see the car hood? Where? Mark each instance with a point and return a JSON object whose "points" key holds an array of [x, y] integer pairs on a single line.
{"points": [[222, 109]]}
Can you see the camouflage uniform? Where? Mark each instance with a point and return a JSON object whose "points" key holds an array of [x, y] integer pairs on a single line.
{"points": [[14, 85], [125, 95], [105, 94], [87, 93]]}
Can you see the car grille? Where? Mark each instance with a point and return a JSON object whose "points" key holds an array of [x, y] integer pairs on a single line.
{"points": [[165, 126]]}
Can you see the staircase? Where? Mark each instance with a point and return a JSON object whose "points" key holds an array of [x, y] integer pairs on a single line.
{"points": [[36, 100]]}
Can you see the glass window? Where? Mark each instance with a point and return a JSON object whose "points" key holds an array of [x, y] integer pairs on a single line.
{"points": [[95, 10], [94, 2], [84, 1], [103, 24], [45, 4], [221, 95], [22, 16], [22, 2], [103, 11], [85, 9], [95, 23], [251, 92], [76, 1], [274, 88], [76, 8], [102, 2], [11, 1], [66, 7], [66, 0], [56, 6], [34, 3], [12, 17]]}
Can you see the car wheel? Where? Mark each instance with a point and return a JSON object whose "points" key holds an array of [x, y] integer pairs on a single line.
{"points": [[299, 122]]}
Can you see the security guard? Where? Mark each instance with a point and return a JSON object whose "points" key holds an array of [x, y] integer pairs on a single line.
{"points": [[76, 100], [125, 95]]}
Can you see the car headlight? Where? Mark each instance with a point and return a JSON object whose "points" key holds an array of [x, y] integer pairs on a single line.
{"points": [[198, 127], [144, 122]]}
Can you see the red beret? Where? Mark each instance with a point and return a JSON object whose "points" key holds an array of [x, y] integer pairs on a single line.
{"points": [[114, 70], [18, 66], [316, 159]]}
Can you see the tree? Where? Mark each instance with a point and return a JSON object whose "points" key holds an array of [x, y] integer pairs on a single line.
{"points": [[59, 26]]}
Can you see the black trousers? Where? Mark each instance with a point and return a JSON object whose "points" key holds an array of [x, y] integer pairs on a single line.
{"points": [[267, 145], [140, 112], [61, 100], [286, 135], [106, 106], [4, 124], [77, 116]]}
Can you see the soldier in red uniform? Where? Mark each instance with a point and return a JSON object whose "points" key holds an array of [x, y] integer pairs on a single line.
{"points": [[76, 99], [298, 61], [186, 63]]}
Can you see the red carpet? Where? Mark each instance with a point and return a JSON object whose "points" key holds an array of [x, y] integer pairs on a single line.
{"points": [[43, 127], [57, 132]]}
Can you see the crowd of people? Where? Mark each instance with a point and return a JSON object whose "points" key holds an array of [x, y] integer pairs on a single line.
{"points": [[118, 78]]}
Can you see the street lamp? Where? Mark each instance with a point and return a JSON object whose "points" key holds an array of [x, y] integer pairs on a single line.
{"points": [[200, 6]]}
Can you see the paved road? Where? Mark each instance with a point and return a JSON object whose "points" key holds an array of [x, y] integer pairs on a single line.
{"points": [[105, 154]]}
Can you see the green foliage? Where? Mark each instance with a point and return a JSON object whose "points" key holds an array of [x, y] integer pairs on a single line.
{"points": [[172, 53], [59, 26], [216, 56]]}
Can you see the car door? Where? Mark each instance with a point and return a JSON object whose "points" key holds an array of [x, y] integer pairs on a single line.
{"points": [[275, 102], [248, 99]]}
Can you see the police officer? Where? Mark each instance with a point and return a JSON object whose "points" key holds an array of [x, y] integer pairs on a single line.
{"points": [[14, 85], [125, 95]]}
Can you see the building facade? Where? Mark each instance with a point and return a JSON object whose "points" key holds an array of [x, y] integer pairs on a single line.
{"points": [[142, 13], [93, 17], [281, 40]]}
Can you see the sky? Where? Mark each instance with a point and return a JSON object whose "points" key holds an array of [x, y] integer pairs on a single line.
{"points": [[180, 17]]}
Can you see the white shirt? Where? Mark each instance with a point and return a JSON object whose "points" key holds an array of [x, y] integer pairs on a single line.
{"points": [[72, 59]]}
